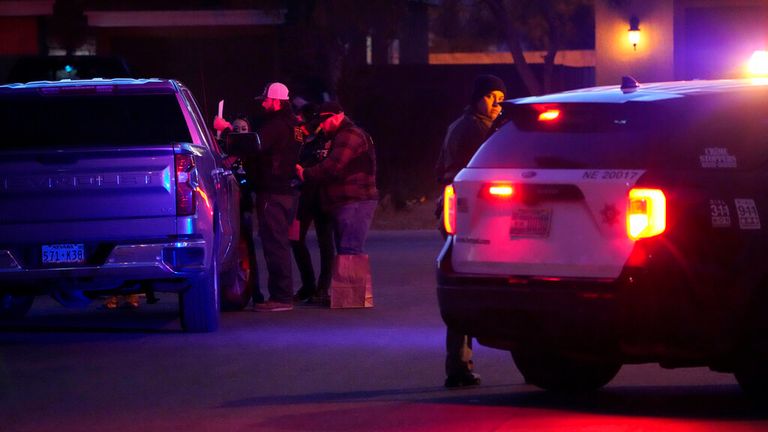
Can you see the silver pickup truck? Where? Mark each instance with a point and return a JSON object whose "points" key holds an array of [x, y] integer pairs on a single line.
{"points": [[115, 186]]}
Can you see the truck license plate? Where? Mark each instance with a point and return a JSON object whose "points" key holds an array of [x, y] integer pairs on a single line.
{"points": [[68, 253], [530, 223]]}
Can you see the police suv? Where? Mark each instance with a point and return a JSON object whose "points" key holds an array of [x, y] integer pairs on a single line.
{"points": [[616, 225]]}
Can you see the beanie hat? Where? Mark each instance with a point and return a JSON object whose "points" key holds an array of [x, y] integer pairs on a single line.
{"points": [[485, 84]]}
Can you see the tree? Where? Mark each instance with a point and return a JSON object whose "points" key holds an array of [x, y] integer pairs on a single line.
{"points": [[537, 24], [328, 37]]}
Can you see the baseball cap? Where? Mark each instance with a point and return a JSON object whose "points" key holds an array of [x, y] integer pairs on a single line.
{"points": [[327, 109], [275, 90]]}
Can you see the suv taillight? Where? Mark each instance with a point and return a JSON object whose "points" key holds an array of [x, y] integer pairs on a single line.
{"points": [[185, 189], [646, 213], [497, 191], [449, 210]]}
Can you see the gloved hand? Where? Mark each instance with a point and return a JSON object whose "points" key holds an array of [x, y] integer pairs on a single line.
{"points": [[220, 124]]}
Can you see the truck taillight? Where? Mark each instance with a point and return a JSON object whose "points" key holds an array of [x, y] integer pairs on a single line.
{"points": [[646, 213], [185, 189], [449, 209]]}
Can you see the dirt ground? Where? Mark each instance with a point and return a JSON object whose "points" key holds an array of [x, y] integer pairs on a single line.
{"points": [[417, 215]]}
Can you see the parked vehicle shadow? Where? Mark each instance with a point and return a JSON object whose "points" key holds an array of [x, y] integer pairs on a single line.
{"points": [[96, 319]]}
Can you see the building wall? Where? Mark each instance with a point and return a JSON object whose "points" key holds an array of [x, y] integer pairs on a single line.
{"points": [[653, 60], [715, 38], [18, 35]]}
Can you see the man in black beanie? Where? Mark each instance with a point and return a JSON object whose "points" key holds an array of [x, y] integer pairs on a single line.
{"points": [[464, 137]]}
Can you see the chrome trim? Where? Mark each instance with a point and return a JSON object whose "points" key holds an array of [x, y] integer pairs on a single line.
{"points": [[8, 262], [131, 261]]}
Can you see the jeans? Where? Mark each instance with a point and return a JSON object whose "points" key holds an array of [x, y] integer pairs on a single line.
{"points": [[350, 226]]}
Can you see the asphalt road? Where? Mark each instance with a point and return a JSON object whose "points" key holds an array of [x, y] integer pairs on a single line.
{"points": [[316, 369]]}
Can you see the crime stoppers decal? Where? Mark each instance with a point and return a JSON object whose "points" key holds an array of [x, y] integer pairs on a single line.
{"points": [[715, 157]]}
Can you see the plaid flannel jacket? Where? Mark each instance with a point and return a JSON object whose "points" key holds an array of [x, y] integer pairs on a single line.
{"points": [[348, 174]]}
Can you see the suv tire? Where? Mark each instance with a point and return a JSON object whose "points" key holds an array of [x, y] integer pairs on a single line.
{"points": [[752, 376], [556, 372]]}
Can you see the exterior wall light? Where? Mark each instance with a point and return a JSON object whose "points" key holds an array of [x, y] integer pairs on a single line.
{"points": [[634, 31]]}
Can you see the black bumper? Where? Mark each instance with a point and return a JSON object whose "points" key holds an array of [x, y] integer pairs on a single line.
{"points": [[566, 315]]}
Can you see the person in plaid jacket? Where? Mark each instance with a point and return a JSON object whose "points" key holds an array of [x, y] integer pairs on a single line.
{"points": [[347, 178]]}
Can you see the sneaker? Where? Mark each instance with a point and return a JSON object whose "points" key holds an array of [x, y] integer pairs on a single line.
{"points": [[272, 306], [464, 379], [303, 296], [322, 300]]}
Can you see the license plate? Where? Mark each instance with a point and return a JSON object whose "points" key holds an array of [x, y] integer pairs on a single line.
{"points": [[68, 253], [530, 223]]}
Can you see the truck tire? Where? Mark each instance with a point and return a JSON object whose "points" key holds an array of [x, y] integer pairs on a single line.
{"points": [[199, 305], [558, 373], [14, 306], [237, 286]]}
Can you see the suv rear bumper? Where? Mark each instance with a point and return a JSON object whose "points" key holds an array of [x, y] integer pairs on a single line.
{"points": [[644, 315], [506, 312], [161, 260]]}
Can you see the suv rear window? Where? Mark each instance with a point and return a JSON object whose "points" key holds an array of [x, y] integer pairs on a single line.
{"points": [[32, 120], [683, 133]]}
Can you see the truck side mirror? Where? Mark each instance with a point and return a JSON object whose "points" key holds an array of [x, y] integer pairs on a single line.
{"points": [[242, 144]]}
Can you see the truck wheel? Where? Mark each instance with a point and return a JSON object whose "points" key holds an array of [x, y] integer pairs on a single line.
{"points": [[14, 306], [558, 373], [198, 305], [237, 289]]}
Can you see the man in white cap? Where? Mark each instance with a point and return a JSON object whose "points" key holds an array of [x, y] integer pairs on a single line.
{"points": [[270, 173]]}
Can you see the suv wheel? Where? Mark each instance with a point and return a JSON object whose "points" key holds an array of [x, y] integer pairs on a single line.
{"points": [[198, 305], [555, 372], [13, 306], [752, 376]]}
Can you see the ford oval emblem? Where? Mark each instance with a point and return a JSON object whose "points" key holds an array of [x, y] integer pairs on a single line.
{"points": [[529, 174]]}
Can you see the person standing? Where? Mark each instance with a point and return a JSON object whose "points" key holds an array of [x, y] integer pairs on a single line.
{"points": [[347, 178], [270, 173], [310, 211], [463, 138], [235, 163]]}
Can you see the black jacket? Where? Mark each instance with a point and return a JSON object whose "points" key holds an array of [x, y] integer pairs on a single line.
{"points": [[273, 169], [462, 140]]}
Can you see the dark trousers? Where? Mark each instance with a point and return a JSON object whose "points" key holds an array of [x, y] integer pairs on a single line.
{"points": [[275, 213], [246, 232], [310, 211], [458, 347]]}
